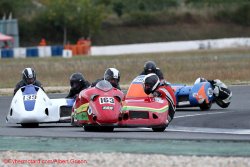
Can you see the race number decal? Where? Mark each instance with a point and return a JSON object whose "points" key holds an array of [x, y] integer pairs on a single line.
{"points": [[106, 100], [29, 97]]}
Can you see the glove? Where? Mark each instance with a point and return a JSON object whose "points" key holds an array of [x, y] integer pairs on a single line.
{"points": [[157, 94]]}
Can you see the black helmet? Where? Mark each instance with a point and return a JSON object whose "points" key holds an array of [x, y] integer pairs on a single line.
{"points": [[29, 76], [77, 81], [222, 94], [113, 76], [150, 83], [149, 67]]}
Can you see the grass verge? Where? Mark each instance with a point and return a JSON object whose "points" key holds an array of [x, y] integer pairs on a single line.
{"points": [[231, 66]]}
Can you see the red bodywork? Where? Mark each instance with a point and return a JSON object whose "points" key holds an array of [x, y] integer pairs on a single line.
{"points": [[140, 110], [95, 106]]}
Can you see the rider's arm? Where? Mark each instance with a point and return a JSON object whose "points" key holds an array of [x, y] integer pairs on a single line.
{"points": [[18, 86], [159, 74], [38, 83]]}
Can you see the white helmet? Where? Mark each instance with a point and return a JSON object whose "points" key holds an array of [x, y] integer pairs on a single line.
{"points": [[199, 80]]}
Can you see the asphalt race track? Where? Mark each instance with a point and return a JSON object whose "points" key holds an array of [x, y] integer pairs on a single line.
{"points": [[232, 123]]}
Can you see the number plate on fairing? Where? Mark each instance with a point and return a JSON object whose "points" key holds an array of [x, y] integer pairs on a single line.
{"points": [[29, 97], [107, 100]]}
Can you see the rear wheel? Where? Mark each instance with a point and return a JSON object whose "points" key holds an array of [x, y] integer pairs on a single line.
{"points": [[30, 125], [90, 128]]}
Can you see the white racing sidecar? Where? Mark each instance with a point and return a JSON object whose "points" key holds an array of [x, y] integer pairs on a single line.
{"points": [[31, 106]]}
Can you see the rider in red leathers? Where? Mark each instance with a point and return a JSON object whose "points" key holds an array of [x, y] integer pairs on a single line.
{"points": [[152, 85]]}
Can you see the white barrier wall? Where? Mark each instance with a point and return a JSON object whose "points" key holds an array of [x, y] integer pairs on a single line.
{"points": [[48, 51], [19, 52], [44, 51], [170, 46]]}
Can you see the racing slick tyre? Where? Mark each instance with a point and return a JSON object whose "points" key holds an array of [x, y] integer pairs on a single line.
{"points": [[107, 129], [90, 128], [205, 106], [30, 125], [159, 129]]}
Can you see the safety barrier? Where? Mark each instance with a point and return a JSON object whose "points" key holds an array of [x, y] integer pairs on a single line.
{"points": [[84, 48], [46, 51], [7, 53], [170, 46]]}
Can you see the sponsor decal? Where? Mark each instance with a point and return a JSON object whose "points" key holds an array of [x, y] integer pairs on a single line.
{"points": [[158, 100], [82, 116], [183, 103], [107, 107], [210, 92], [89, 110]]}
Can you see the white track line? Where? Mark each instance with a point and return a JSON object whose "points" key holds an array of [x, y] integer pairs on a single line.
{"points": [[208, 130], [205, 130], [193, 115]]}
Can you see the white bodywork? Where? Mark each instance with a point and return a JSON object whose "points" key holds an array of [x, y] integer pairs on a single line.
{"points": [[45, 109]]}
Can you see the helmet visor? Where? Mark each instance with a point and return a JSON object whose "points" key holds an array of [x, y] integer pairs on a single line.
{"points": [[30, 80], [147, 88], [113, 81], [149, 71]]}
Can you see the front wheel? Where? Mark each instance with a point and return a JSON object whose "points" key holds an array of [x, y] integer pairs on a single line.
{"points": [[30, 125], [107, 129], [222, 104]]}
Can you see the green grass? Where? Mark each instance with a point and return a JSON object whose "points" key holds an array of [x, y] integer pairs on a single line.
{"points": [[231, 66]]}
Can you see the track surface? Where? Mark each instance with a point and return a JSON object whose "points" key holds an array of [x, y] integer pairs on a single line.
{"points": [[232, 123]]}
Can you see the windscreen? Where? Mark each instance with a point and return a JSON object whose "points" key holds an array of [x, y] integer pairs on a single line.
{"points": [[104, 85], [136, 88]]}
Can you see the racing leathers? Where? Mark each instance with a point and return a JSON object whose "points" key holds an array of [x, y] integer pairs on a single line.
{"points": [[73, 93], [164, 90]]}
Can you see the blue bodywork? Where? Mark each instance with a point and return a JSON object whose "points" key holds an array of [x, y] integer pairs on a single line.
{"points": [[29, 96], [193, 96]]}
